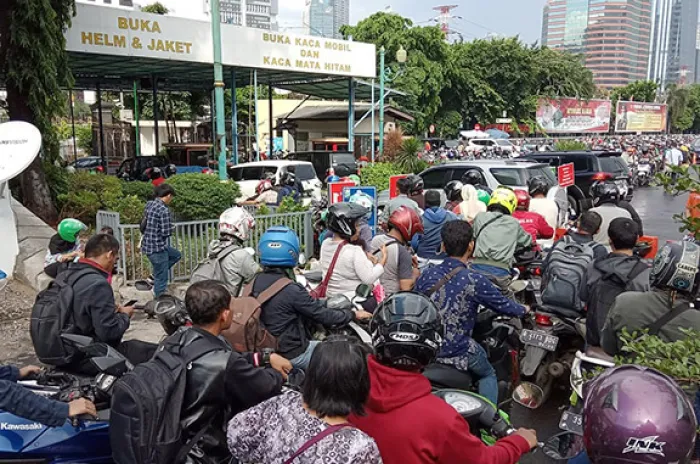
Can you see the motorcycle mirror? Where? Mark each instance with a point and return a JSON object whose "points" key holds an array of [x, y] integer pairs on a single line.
{"points": [[79, 341], [529, 395], [302, 259], [564, 446], [364, 291], [110, 366]]}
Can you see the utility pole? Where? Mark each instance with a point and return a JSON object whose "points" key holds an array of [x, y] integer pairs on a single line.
{"points": [[219, 89], [444, 17], [382, 78]]}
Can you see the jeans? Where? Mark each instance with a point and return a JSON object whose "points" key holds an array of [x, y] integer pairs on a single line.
{"points": [[481, 368], [302, 361], [162, 262], [581, 458], [500, 277]]}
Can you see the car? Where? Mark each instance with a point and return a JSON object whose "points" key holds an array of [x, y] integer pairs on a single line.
{"points": [[248, 175], [478, 145], [85, 164], [135, 168], [590, 167], [343, 163]]}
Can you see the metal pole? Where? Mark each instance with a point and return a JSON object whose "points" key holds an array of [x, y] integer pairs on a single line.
{"points": [[72, 123], [351, 115], [219, 88], [271, 125], [382, 77], [373, 128], [136, 118], [255, 96], [234, 120], [154, 82], [101, 131]]}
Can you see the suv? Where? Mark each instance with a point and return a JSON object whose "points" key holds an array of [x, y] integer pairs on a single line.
{"points": [[135, 168], [590, 167], [478, 145], [342, 162], [248, 175]]}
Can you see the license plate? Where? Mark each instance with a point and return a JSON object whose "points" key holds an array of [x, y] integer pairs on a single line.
{"points": [[539, 339], [571, 422]]}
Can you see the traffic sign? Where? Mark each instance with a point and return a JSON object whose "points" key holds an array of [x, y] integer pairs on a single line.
{"points": [[370, 192], [335, 191], [566, 175], [393, 188]]}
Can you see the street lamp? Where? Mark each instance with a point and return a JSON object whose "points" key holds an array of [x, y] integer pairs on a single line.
{"points": [[386, 75]]}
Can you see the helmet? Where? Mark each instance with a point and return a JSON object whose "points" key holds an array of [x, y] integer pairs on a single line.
{"points": [[415, 184], [342, 217], [406, 331], [472, 177], [407, 222], [685, 149], [155, 173], [236, 222], [288, 178], [364, 200], [279, 247], [453, 190], [676, 267], [504, 197], [170, 170], [332, 178], [483, 196], [171, 313], [605, 192], [523, 199], [645, 148], [538, 185], [355, 178], [636, 414], [69, 229], [263, 186]]}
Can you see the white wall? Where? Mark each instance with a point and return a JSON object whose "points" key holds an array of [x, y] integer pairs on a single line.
{"points": [[8, 231]]}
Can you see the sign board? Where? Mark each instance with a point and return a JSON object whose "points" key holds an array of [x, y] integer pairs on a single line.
{"points": [[335, 191], [503, 120], [104, 30], [126, 115], [640, 117], [20, 143], [569, 115], [393, 187], [566, 175], [371, 194]]}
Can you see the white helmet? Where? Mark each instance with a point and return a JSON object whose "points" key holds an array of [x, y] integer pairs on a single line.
{"points": [[236, 222], [362, 199]]}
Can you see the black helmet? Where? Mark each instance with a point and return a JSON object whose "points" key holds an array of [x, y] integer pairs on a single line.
{"points": [[472, 177], [676, 267], [155, 173], [406, 331], [537, 185], [453, 190], [342, 217], [288, 178], [171, 313], [170, 170], [605, 192], [415, 184]]}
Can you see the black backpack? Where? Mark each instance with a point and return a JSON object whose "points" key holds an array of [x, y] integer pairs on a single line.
{"points": [[52, 315], [145, 425], [564, 271]]}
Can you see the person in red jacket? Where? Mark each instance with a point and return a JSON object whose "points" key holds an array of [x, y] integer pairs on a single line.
{"points": [[409, 424], [533, 223]]}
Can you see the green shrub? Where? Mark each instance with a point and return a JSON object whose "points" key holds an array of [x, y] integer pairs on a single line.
{"points": [[570, 145], [87, 193], [142, 190], [378, 174], [288, 205], [83, 134], [201, 196], [130, 209], [407, 159]]}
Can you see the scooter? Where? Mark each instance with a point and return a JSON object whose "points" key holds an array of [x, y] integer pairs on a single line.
{"points": [[644, 173], [353, 302]]}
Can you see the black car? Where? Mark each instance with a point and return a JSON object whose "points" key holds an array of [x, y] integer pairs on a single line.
{"points": [[590, 167], [343, 163], [135, 168], [87, 163]]}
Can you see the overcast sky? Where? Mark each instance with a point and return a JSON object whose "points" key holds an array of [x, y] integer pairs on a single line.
{"points": [[480, 17]]}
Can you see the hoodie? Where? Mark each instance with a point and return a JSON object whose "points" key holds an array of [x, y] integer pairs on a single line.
{"points": [[427, 245], [606, 278], [410, 425]]}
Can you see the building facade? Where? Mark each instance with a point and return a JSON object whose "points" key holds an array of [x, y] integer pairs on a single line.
{"points": [[261, 14], [324, 18], [124, 3]]}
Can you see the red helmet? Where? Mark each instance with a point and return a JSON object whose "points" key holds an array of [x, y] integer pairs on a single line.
{"points": [[523, 199], [407, 222], [263, 186]]}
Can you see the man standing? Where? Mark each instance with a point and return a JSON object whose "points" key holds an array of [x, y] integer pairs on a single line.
{"points": [[156, 238]]}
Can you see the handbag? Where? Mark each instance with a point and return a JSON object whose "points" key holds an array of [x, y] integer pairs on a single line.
{"points": [[320, 291], [311, 442]]}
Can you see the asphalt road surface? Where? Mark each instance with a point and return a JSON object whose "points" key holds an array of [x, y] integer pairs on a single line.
{"points": [[656, 209]]}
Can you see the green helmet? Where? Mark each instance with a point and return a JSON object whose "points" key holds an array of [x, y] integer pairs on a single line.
{"points": [[69, 229], [483, 196], [355, 178]]}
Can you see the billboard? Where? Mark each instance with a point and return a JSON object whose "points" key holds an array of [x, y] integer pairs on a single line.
{"points": [[569, 115], [640, 117]]}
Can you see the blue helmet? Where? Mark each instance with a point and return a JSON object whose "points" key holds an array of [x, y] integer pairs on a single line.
{"points": [[332, 178], [279, 247]]}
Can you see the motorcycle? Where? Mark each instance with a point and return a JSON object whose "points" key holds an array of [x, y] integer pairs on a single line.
{"points": [[358, 330], [644, 173]]}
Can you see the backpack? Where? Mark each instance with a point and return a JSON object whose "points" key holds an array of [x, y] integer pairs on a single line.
{"points": [[564, 273], [145, 423], [210, 268], [247, 333], [52, 315]]}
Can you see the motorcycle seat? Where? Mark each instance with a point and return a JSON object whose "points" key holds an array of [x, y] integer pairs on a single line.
{"points": [[560, 311], [314, 276], [444, 376]]}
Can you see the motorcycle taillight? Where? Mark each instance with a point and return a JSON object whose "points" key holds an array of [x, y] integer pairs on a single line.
{"points": [[543, 319]]}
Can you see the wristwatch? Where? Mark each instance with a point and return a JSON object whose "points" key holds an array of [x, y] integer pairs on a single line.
{"points": [[266, 354]]}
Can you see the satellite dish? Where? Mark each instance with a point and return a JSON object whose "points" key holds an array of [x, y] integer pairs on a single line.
{"points": [[20, 142]]}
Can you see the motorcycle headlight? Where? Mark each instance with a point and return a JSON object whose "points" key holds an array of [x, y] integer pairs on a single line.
{"points": [[462, 402]]}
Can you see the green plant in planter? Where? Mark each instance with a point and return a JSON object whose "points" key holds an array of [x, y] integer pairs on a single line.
{"points": [[378, 175]]}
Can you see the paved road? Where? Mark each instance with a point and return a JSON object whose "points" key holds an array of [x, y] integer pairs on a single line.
{"points": [[656, 210]]}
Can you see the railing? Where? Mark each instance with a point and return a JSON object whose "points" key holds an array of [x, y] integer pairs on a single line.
{"points": [[192, 239]]}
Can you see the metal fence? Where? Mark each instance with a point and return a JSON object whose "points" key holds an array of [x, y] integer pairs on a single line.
{"points": [[192, 240]]}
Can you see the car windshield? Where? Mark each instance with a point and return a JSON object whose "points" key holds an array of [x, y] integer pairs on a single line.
{"points": [[251, 172], [503, 143], [612, 164]]}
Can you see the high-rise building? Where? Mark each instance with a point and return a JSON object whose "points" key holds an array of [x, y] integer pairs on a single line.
{"points": [[672, 54], [324, 18], [261, 14], [612, 35]]}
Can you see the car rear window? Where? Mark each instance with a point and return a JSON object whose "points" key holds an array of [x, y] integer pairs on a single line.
{"points": [[305, 171], [511, 177], [251, 172], [434, 179], [612, 164], [541, 171], [343, 158], [503, 143]]}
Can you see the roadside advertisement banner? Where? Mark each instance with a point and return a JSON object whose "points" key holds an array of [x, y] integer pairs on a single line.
{"points": [[335, 191], [369, 194], [640, 117], [569, 115]]}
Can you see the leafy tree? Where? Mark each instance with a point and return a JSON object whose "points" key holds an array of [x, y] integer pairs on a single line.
{"points": [[569, 145], [641, 91], [560, 74], [407, 159], [156, 8], [677, 99], [34, 64]]}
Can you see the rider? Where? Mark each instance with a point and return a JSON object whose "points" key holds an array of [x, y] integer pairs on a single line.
{"points": [[453, 193], [64, 246], [587, 226], [288, 183], [415, 190], [367, 202], [458, 292], [471, 204], [401, 200], [674, 280], [427, 244], [289, 314], [409, 423], [265, 194], [474, 177], [606, 197], [533, 223], [537, 188]]}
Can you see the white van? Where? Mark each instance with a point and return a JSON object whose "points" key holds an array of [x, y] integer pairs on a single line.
{"points": [[248, 175]]}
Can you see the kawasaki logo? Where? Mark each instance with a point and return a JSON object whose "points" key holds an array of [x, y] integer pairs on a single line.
{"points": [[647, 445], [20, 427]]}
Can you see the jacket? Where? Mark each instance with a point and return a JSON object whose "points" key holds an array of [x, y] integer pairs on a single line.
{"points": [[498, 236], [238, 267], [220, 384], [397, 202], [428, 243], [638, 310], [411, 426], [534, 224], [626, 205], [605, 279], [290, 314], [599, 250], [608, 212], [22, 402]]}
